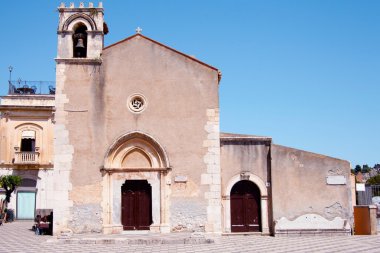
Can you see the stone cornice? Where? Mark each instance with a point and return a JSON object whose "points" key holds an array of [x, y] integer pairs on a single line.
{"points": [[25, 107], [79, 61], [124, 170], [11, 166], [68, 9]]}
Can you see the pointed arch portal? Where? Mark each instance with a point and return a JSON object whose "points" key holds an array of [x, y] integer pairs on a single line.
{"points": [[134, 184]]}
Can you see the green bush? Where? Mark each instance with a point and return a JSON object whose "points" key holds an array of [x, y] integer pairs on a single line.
{"points": [[374, 180]]}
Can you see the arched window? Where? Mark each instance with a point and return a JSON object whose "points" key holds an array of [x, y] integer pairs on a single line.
{"points": [[80, 41]]}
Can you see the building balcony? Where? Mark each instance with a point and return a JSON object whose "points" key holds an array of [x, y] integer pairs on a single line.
{"points": [[20, 87], [27, 157]]}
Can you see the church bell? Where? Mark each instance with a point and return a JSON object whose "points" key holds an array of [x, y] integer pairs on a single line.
{"points": [[80, 44]]}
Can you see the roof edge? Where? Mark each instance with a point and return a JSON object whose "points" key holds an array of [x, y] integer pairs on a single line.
{"points": [[167, 47], [242, 138]]}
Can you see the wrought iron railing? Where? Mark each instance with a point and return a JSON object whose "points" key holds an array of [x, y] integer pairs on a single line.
{"points": [[20, 87], [27, 157]]}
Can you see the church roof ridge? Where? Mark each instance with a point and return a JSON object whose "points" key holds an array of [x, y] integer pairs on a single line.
{"points": [[167, 47]]}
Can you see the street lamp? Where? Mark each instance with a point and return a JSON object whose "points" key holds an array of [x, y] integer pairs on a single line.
{"points": [[10, 68]]}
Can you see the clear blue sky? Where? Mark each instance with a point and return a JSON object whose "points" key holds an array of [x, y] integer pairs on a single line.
{"points": [[306, 73]]}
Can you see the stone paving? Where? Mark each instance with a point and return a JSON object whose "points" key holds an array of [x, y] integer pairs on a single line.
{"points": [[18, 237]]}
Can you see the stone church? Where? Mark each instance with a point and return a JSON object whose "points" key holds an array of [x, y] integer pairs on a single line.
{"points": [[129, 139]]}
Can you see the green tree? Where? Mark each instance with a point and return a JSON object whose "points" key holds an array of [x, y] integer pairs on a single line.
{"points": [[358, 169], [9, 183], [366, 168], [374, 180], [377, 167]]}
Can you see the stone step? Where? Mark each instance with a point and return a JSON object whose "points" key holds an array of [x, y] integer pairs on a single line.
{"points": [[133, 241]]}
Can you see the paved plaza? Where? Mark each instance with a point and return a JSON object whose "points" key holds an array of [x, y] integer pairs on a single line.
{"points": [[18, 237]]}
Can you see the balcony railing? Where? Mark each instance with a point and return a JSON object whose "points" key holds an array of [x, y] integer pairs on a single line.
{"points": [[27, 157], [31, 87]]}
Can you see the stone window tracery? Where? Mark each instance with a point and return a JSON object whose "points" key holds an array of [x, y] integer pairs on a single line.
{"points": [[136, 103]]}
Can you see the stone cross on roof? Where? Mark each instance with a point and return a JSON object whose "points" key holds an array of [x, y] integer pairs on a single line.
{"points": [[138, 30]]}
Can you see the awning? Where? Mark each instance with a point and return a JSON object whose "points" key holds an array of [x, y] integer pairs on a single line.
{"points": [[28, 135]]}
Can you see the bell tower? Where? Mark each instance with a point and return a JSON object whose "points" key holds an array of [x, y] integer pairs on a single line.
{"points": [[80, 31]]}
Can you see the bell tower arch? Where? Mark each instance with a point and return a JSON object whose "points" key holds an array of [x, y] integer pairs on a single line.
{"points": [[81, 31]]}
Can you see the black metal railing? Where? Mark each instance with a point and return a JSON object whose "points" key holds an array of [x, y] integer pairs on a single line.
{"points": [[20, 87]]}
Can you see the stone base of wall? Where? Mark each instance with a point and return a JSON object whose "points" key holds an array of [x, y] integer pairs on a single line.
{"points": [[118, 229], [311, 225], [312, 232], [86, 218], [112, 229]]}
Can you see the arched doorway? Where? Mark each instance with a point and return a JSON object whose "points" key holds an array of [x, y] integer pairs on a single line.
{"points": [[136, 205], [135, 173], [245, 207]]}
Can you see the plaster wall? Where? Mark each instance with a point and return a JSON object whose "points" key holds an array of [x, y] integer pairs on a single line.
{"points": [[243, 157], [300, 185]]}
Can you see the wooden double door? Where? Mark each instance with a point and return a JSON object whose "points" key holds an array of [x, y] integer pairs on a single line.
{"points": [[245, 207], [136, 205]]}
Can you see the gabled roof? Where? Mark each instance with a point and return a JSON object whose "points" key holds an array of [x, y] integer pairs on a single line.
{"points": [[167, 47]]}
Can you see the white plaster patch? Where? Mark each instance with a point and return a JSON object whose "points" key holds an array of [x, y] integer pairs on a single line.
{"points": [[180, 179], [336, 180]]}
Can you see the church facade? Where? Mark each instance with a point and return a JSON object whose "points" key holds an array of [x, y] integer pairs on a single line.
{"points": [[136, 145]]}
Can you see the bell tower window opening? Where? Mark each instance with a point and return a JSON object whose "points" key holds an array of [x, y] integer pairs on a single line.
{"points": [[80, 41]]}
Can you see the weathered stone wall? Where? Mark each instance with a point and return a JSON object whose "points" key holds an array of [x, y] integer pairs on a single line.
{"points": [[62, 156], [308, 183], [212, 177], [188, 214], [86, 218]]}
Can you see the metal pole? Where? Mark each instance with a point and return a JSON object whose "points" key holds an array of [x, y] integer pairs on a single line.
{"points": [[10, 68]]}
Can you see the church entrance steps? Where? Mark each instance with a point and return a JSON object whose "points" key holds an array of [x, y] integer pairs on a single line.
{"points": [[135, 239]]}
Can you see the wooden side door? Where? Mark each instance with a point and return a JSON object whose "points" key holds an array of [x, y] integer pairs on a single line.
{"points": [[245, 207]]}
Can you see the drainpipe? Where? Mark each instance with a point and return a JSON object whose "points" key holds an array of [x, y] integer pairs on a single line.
{"points": [[270, 198]]}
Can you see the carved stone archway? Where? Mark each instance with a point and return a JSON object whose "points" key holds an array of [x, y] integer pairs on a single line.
{"points": [[264, 201], [135, 156]]}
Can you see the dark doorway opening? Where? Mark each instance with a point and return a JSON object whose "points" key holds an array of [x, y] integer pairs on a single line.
{"points": [[245, 207], [28, 145], [136, 205]]}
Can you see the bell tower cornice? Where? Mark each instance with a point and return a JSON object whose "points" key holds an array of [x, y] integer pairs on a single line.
{"points": [[80, 8]]}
